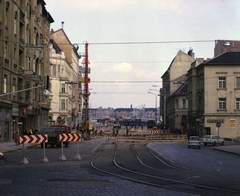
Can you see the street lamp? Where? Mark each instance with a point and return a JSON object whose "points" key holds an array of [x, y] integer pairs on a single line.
{"points": [[73, 97], [159, 117], [155, 104], [162, 91]]}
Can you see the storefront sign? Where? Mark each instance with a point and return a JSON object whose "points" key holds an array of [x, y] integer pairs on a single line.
{"points": [[215, 120], [232, 123]]}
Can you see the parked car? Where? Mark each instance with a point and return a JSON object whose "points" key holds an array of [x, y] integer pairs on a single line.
{"points": [[194, 141], [213, 140], [1, 158]]}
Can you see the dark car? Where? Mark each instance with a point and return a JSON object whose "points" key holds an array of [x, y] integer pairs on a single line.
{"points": [[1, 158], [151, 124]]}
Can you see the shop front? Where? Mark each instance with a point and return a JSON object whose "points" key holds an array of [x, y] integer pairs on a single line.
{"points": [[5, 121]]}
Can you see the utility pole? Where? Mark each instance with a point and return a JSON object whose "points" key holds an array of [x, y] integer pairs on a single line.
{"points": [[163, 93], [86, 94], [155, 105], [46, 85]]}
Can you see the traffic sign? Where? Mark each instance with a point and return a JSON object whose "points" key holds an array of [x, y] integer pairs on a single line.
{"points": [[32, 139], [218, 124], [69, 137]]}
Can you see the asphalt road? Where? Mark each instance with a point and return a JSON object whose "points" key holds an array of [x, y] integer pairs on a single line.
{"points": [[76, 177]]}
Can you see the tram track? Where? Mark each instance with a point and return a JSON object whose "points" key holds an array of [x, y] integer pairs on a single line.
{"points": [[198, 179], [142, 166]]}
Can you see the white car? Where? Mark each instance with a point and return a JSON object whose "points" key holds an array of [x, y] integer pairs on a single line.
{"points": [[194, 141], [213, 140]]}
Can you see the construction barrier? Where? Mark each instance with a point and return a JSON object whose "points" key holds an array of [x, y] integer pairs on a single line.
{"points": [[154, 132], [166, 138], [33, 139], [70, 137], [143, 140]]}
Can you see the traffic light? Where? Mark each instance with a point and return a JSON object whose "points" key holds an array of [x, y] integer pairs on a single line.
{"points": [[47, 84]]}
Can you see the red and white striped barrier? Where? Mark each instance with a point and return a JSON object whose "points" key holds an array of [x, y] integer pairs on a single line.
{"points": [[33, 139], [125, 137], [69, 137], [154, 132]]}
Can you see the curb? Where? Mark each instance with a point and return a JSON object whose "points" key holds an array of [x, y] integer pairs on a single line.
{"points": [[226, 151]]}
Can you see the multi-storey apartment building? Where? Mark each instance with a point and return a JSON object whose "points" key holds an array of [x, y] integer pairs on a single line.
{"points": [[24, 38], [214, 96], [65, 91], [173, 106]]}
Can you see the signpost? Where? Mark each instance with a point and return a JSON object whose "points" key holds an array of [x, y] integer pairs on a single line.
{"points": [[33, 139], [69, 137], [218, 124]]}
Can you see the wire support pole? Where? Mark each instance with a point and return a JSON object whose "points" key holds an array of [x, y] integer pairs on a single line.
{"points": [[27, 89], [86, 88]]}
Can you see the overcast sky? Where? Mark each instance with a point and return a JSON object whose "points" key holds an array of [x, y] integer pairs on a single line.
{"points": [[155, 31]]}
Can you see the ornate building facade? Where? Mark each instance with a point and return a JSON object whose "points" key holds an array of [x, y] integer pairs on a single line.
{"points": [[66, 92], [24, 63]]}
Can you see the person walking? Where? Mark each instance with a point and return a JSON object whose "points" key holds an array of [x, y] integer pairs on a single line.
{"points": [[16, 138], [127, 130]]}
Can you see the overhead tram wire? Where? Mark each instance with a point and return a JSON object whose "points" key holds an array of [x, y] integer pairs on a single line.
{"points": [[132, 62], [124, 81], [149, 42], [132, 43], [118, 93]]}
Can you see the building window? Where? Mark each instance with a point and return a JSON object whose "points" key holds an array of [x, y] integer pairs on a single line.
{"points": [[238, 103], [238, 82], [63, 104], [5, 84], [222, 103], [29, 63], [63, 88], [177, 104], [14, 88], [15, 24], [6, 50], [221, 82], [184, 103], [54, 72]]}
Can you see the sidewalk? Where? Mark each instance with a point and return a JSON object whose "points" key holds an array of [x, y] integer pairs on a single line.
{"points": [[234, 148], [10, 146]]}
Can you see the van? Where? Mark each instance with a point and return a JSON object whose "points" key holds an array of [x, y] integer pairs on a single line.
{"points": [[212, 139], [53, 136]]}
